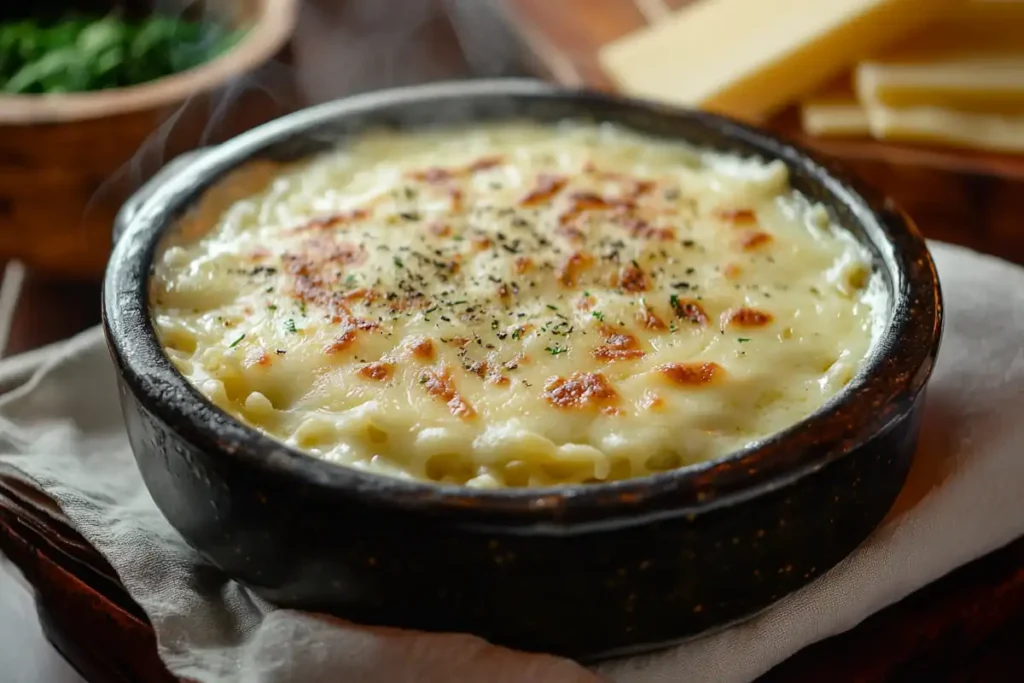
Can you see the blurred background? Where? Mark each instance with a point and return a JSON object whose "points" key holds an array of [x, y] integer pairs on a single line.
{"points": [[97, 95], [923, 98]]}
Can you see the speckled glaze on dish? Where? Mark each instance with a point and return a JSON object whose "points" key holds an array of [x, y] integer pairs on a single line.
{"points": [[583, 571]]}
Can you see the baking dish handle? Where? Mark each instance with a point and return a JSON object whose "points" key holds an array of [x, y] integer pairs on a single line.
{"points": [[131, 207]]}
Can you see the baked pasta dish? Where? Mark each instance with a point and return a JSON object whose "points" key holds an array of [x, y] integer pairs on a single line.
{"points": [[517, 304]]}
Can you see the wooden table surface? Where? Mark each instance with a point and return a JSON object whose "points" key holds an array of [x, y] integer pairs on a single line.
{"points": [[47, 310], [985, 598]]}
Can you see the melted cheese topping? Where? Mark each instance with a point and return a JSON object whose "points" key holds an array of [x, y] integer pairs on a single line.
{"points": [[517, 305]]}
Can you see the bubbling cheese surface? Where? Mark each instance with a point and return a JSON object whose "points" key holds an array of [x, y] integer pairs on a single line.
{"points": [[517, 304]]}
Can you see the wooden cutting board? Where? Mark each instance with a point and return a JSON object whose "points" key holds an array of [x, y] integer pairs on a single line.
{"points": [[970, 198]]}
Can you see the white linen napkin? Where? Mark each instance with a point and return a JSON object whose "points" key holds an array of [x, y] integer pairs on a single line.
{"points": [[62, 431]]}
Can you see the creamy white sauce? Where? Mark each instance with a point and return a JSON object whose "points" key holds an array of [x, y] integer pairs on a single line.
{"points": [[517, 305]]}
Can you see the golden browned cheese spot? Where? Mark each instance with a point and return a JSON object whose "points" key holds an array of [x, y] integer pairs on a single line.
{"points": [[738, 216], [485, 163], [639, 187], [569, 272], [617, 345], [547, 187], [571, 233], [523, 265], [317, 271], [359, 324], [649, 319], [755, 240], [457, 199], [421, 348], [321, 251], [345, 253], [504, 293], [488, 371], [643, 187], [580, 390], [342, 341], [440, 229], [516, 361], [633, 279], [581, 202], [439, 382], [438, 176], [362, 294], [748, 317], [524, 330], [690, 311], [378, 371], [480, 243], [691, 374], [307, 285], [586, 302], [588, 201], [335, 220], [733, 271], [642, 229], [433, 175]]}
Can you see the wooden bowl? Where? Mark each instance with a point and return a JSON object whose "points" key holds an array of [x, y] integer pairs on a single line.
{"points": [[68, 161]]}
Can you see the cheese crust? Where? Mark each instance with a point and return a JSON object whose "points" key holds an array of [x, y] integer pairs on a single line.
{"points": [[515, 304]]}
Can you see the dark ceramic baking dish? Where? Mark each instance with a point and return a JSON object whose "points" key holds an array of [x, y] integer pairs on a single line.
{"points": [[586, 571]]}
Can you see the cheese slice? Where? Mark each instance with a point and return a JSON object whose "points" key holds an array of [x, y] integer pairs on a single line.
{"points": [[749, 58], [990, 132], [971, 60], [831, 115], [834, 118], [986, 84]]}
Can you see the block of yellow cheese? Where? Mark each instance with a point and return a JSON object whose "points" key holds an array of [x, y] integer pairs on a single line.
{"points": [[749, 58]]}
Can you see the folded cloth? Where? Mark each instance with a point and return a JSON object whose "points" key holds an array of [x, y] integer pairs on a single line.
{"points": [[62, 432]]}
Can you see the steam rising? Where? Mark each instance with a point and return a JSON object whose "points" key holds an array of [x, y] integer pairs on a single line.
{"points": [[340, 47]]}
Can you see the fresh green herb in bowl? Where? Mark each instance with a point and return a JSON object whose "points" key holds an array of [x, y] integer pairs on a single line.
{"points": [[81, 54]]}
